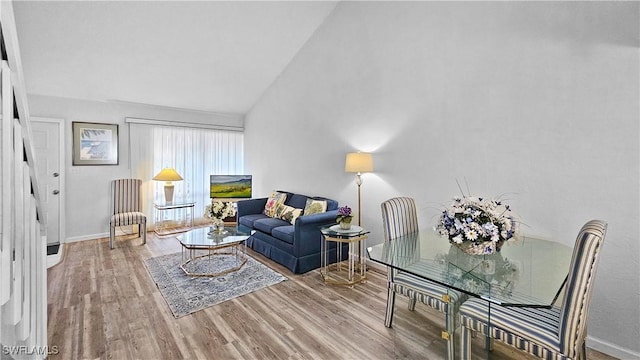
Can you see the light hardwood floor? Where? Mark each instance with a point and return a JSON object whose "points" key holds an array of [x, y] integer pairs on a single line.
{"points": [[103, 304]]}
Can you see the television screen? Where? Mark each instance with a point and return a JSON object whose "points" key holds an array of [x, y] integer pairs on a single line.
{"points": [[230, 186]]}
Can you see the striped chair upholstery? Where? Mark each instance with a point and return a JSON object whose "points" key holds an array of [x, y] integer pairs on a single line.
{"points": [[127, 208], [555, 333], [399, 218]]}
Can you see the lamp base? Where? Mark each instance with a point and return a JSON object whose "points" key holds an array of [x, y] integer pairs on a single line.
{"points": [[168, 193]]}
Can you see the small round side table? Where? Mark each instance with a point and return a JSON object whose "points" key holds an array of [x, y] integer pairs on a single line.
{"points": [[351, 271]]}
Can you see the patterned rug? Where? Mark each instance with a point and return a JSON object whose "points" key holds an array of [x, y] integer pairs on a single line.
{"points": [[186, 294]]}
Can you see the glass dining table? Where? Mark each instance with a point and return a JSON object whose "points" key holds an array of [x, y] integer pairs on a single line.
{"points": [[526, 272]]}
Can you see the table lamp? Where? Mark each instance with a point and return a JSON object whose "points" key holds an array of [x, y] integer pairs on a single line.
{"points": [[358, 162], [168, 175]]}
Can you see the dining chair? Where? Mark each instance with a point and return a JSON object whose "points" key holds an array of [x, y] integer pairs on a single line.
{"points": [[399, 217], [127, 208], [549, 333]]}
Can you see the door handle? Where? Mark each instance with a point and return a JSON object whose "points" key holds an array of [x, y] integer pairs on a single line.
{"points": [[55, 174], [56, 192]]}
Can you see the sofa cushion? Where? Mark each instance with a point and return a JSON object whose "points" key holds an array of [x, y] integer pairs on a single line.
{"points": [[284, 233], [297, 201], [267, 224], [248, 220], [315, 207], [276, 198], [287, 213]]}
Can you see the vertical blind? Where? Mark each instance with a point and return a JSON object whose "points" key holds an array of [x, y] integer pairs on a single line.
{"points": [[195, 153]]}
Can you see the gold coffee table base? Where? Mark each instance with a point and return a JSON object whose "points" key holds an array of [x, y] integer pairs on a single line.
{"points": [[227, 242], [240, 256]]}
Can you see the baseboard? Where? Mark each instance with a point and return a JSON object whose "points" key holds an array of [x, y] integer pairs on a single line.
{"points": [[86, 237], [611, 349], [377, 267], [119, 232]]}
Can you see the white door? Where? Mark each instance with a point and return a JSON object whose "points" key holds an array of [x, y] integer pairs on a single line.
{"points": [[48, 146]]}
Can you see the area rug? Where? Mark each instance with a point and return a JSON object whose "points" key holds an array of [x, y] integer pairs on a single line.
{"points": [[187, 294]]}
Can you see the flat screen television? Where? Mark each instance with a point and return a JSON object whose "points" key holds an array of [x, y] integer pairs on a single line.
{"points": [[230, 186]]}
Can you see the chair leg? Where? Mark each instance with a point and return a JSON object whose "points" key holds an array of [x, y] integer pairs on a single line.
{"points": [[112, 230], [583, 355], [391, 299], [450, 323], [142, 231], [412, 303], [465, 343]]}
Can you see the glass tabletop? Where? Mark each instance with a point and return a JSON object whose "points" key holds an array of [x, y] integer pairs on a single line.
{"points": [[526, 272], [204, 237], [337, 232], [173, 205]]}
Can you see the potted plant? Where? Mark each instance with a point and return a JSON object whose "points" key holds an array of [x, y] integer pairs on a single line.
{"points": [[344, 217]]}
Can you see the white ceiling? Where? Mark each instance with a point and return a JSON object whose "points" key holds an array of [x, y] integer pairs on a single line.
{"points": [[204, 55]]}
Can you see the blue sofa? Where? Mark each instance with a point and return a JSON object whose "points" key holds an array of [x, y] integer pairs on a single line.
{"points": [[297, 246]]}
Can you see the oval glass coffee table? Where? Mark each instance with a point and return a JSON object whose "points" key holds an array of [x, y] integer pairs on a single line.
{"points": [[230, 242]]}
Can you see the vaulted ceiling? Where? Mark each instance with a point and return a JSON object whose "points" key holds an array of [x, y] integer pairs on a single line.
{"points": [[203, 55]]}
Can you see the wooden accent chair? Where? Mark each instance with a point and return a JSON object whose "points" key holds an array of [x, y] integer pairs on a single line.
{"points": [[127, 208], [399, 218], [549, 333]]}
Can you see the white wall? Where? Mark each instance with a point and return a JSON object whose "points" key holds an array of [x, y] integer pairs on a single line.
{"points": [[538, 101], [88, 187]]}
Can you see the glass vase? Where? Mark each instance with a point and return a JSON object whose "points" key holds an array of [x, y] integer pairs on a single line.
{"points": [[217, 226]]}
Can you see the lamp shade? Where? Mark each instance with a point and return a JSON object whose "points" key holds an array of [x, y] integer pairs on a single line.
{"points": [[358, 162], [168, 174]]}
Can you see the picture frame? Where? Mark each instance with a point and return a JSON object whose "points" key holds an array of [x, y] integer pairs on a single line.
{"points": [[95, 143]]}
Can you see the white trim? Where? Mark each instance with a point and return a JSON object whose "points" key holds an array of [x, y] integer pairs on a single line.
{"points": [[63, 176], [173, 108], [87, 237], [611, 349], [119, 232], [183, 124], [377, 266]]}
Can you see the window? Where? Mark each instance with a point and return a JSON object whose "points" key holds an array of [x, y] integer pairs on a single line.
{"points": [[195, 153]]}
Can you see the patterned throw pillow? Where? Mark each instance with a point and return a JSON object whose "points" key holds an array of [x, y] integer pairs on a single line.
{"points": [[315, 207], [287, 213], [273, 201]]}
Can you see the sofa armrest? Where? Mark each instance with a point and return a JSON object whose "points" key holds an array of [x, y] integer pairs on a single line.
{"points": [[251, 206], [307, 236]]}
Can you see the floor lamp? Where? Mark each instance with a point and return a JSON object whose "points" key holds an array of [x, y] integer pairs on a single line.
{"points": [[358, 163]]}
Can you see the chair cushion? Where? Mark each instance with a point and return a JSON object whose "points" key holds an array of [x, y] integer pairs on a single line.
{"points": [[427, 292], [128, 218], [534, 330]]}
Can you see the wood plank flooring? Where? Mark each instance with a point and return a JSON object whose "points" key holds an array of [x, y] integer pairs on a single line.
{"points": [[103, 305]]}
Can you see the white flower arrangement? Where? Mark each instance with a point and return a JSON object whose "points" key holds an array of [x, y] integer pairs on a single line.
{"points": [[218, 210], [479, 225]]}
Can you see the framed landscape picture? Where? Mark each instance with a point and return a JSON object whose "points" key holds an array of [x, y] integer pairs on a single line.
{"points": [[95, 143]]}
